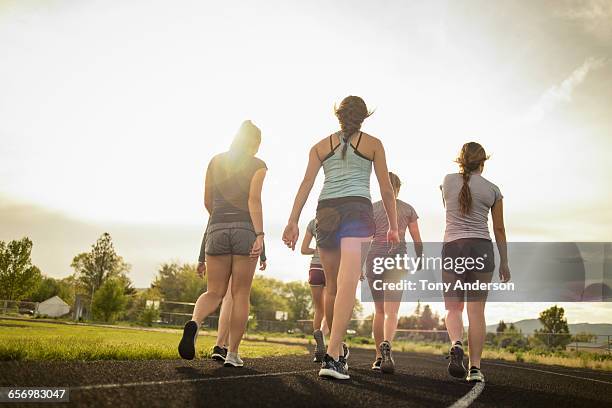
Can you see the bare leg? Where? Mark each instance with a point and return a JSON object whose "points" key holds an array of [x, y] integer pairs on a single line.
{"points": [[319, 306], [454, 322], [476, 331], [349, 273], [330, 259], [378, 324], [224, 318], [218, 268], [391, 310], [243, 269]]}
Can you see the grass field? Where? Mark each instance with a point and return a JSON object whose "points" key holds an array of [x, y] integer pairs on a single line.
{"points": [[35, 341]]}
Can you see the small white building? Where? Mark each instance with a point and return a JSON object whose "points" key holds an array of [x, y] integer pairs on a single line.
{"points": [[53, 307]]}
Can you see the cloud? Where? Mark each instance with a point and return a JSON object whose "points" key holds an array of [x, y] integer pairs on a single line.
{"points": [[594, 15], [562, 93]]}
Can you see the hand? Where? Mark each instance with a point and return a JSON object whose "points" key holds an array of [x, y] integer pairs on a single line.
{"points": [[393, 236], [291, 234], [263, 265], [504, 272], [257, 247], [201, 269]]}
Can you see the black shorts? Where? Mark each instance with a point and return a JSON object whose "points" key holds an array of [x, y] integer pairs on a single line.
{"points": [[481, 268], [343, 217]]}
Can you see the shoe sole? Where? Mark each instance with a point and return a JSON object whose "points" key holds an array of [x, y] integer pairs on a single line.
{"points": [[234, 365], [387, 365], [376, 368], [320, 353], [326, 372], [186, 347], [455, 366], [218, 357]]}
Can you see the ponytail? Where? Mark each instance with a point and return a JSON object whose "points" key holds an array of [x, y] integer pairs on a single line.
{"points": [[465, 195], [471, 157], [351, 113]]}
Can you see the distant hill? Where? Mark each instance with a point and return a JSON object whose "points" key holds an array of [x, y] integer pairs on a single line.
{"points": [[528, 326]]}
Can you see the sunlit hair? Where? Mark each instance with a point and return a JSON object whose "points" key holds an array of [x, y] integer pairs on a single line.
{"points": [[396, 183], [247, 139], [351, 113], [471, 157]]}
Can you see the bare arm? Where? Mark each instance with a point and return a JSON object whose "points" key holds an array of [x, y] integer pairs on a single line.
{"points": [[413, 228], [386, 190], [306, 249], [497, 212], [208, 189], [255, 209], [292, 232]]}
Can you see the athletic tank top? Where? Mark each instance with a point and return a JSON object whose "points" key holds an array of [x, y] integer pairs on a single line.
{"points": [[348, 177]]}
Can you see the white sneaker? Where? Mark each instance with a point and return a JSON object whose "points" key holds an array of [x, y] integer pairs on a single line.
{"points": [[233, 360]]}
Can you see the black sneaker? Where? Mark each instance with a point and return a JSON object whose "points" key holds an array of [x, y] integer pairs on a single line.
{"points": [[219, 353], [331, 368], [319, 351], [475, 375], [376, 364], [186, 347], [455, 366], [387, 365]]}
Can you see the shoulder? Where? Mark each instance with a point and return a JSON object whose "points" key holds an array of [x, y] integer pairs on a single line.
{"points": [[215, 159], [405, 207], [451, 178], [259, 164], [489, 183], [373, 140]]}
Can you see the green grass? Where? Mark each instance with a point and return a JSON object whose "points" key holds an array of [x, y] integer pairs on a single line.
{"points": [[36, 341]]}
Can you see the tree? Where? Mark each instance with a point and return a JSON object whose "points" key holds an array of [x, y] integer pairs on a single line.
{"points": [[109, 300], [101, 263], [49, 287], [179, 282], [298, 300], [555, 331], [501, 327], [18, 277], [267, 297], [427, 321]]}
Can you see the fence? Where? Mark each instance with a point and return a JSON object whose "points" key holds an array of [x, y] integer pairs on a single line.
{"points": [[18, 307]]}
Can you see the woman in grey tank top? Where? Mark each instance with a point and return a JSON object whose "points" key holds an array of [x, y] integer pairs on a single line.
{"points": [[468, 198], [345, 221]]}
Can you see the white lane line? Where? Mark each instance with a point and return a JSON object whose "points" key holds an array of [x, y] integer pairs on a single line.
{"points": [[470, 397], [547, 372], [184, 380]]}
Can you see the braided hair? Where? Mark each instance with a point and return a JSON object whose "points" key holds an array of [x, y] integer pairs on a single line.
{"points": [[471, 157], [351, 113]]}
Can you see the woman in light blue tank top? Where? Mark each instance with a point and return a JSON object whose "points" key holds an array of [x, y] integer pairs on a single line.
{"points": [[345, 220]]}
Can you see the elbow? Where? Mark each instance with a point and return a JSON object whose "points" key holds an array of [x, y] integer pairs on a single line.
{"points": [[304, 251]]}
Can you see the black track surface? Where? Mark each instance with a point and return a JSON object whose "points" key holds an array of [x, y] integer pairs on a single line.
{"points": [[420, 380]]}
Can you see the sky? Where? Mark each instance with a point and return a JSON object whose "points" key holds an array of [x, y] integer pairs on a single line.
{"points": [[110, 111]]}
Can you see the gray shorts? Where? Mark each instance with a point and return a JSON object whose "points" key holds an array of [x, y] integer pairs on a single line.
{"points": [[230, 238]]}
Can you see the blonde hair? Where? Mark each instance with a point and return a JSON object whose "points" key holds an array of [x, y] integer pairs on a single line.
{"points": [[248, 136]]}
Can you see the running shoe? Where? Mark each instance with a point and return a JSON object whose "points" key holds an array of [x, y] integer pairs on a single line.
{"points": [[475, 375], [331, 368], [319, 351], [387, 365], [219, 353], [344, 356], [376, 364], [186, 347], [233, 360], [455, 366]]}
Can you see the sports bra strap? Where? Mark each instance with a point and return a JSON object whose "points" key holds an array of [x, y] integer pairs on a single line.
{"points": [[358, 140]]}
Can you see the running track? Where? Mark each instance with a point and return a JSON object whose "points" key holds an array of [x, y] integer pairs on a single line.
{"points": [[420, 381]]}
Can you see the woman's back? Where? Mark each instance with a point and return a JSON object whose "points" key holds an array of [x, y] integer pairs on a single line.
{"points": [[347, 176], [475, 223], [231, 177]]}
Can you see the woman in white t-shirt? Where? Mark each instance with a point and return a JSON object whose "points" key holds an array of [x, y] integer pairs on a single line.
{"points": [[468, 198]]}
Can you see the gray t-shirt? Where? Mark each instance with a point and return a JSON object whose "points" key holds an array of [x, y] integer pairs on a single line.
{"points": [[474, 224], [405, 215], [312, 229]]}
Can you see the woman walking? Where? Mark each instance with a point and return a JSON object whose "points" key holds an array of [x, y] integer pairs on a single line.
{"points": [[468, 198], [345, 220], [234, 237], [387, 302], [316, 280]]}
